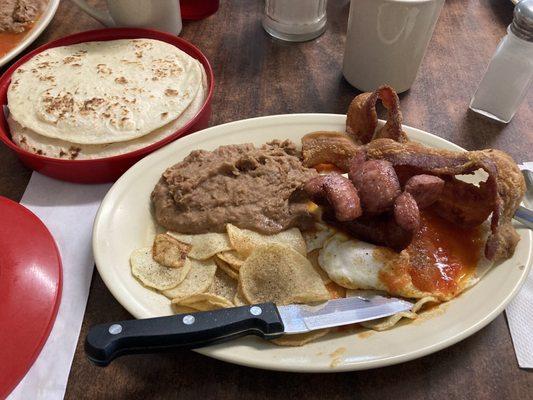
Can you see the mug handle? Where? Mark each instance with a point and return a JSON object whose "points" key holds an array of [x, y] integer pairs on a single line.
{"points": [[102, 16]]}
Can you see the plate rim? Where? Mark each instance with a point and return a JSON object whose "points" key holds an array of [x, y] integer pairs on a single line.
{"points": [[344, 367], [34, 32]]}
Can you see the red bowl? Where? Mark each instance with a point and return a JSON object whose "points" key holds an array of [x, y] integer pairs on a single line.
{"points": [[106, 169]]}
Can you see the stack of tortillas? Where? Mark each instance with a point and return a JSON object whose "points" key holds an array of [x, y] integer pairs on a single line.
{"points": [[100, 99]]}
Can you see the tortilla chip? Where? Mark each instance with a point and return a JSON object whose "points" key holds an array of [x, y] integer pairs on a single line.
{"points": [[224, 266], [153, 274], [245, 241], [199, 279], [278, 273], [313, 259], [204, 302], [239, 299], [204, 245], [300, 338], [169, 251], [232, 258], [223, 285], [179, 309], [382, 324]]}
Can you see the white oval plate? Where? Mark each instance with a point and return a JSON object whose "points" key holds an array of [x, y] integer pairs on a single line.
{"points": [[124, 223], [34, 32]]}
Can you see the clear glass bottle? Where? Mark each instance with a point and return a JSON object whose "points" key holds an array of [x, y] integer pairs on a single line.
{"points": [[295, 20], [510, 72]]}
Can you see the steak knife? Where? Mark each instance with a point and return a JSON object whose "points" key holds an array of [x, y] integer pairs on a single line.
{"points": [[108, 341]]}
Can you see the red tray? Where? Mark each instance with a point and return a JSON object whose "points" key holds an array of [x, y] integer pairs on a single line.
{"points": [[30, 290]]}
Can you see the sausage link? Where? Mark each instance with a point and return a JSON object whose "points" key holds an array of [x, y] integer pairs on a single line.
{"points": [[315, 189], [425, 189], [343, 197], [337, 191], [377, 185], [406, 213]]}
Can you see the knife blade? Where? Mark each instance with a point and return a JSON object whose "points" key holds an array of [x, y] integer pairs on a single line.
{"points": [[106, 342], [301, 318]]}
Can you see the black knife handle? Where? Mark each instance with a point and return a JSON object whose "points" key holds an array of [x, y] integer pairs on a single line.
{"points": [[107, 341]]}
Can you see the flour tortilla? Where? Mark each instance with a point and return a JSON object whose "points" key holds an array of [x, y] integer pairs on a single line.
{"points": [[31, 141], [103, 92]]}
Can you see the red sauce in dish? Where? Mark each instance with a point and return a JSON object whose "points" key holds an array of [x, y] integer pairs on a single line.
{"points": [[9, 40], [442, 254]]}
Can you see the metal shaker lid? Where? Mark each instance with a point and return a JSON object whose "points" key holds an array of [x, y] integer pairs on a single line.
{"points": [[522, 25]]}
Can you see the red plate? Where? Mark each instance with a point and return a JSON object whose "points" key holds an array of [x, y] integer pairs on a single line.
{"points": [[30, 290]]}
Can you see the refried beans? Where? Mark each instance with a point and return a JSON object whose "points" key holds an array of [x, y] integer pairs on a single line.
{"points": [[253, 188]]}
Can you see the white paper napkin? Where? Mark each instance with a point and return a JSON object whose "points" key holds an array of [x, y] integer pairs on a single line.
{"points": [[68, 211], [520, 318], [520, 310]]}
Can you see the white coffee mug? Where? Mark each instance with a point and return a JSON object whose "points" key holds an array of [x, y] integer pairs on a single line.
{"points": [[386, 41], [163, 15]]}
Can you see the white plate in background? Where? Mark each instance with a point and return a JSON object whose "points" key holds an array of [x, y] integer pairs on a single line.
{"points": [[124, 222]]}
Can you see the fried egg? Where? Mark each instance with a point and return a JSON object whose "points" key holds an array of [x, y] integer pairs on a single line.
{"points": [[442, 261]]}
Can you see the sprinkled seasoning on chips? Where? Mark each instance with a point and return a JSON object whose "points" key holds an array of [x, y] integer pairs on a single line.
{"points": [[153, 274], [245, 241], [204, 302], [277, 273], [313, 259], [224, 266], [204, 245], [198, 280], [232, 258], [239, 299], [223, 285]]}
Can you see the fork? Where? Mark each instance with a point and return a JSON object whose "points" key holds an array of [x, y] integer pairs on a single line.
{"points": [[523, 214]]}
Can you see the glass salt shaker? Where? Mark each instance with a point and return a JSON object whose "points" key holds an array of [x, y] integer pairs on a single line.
{"points": [[295, 20], [510, 72]]}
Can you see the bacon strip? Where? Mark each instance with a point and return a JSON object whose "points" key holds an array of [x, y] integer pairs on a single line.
{"points": [[362, 119], [329, 147]]}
